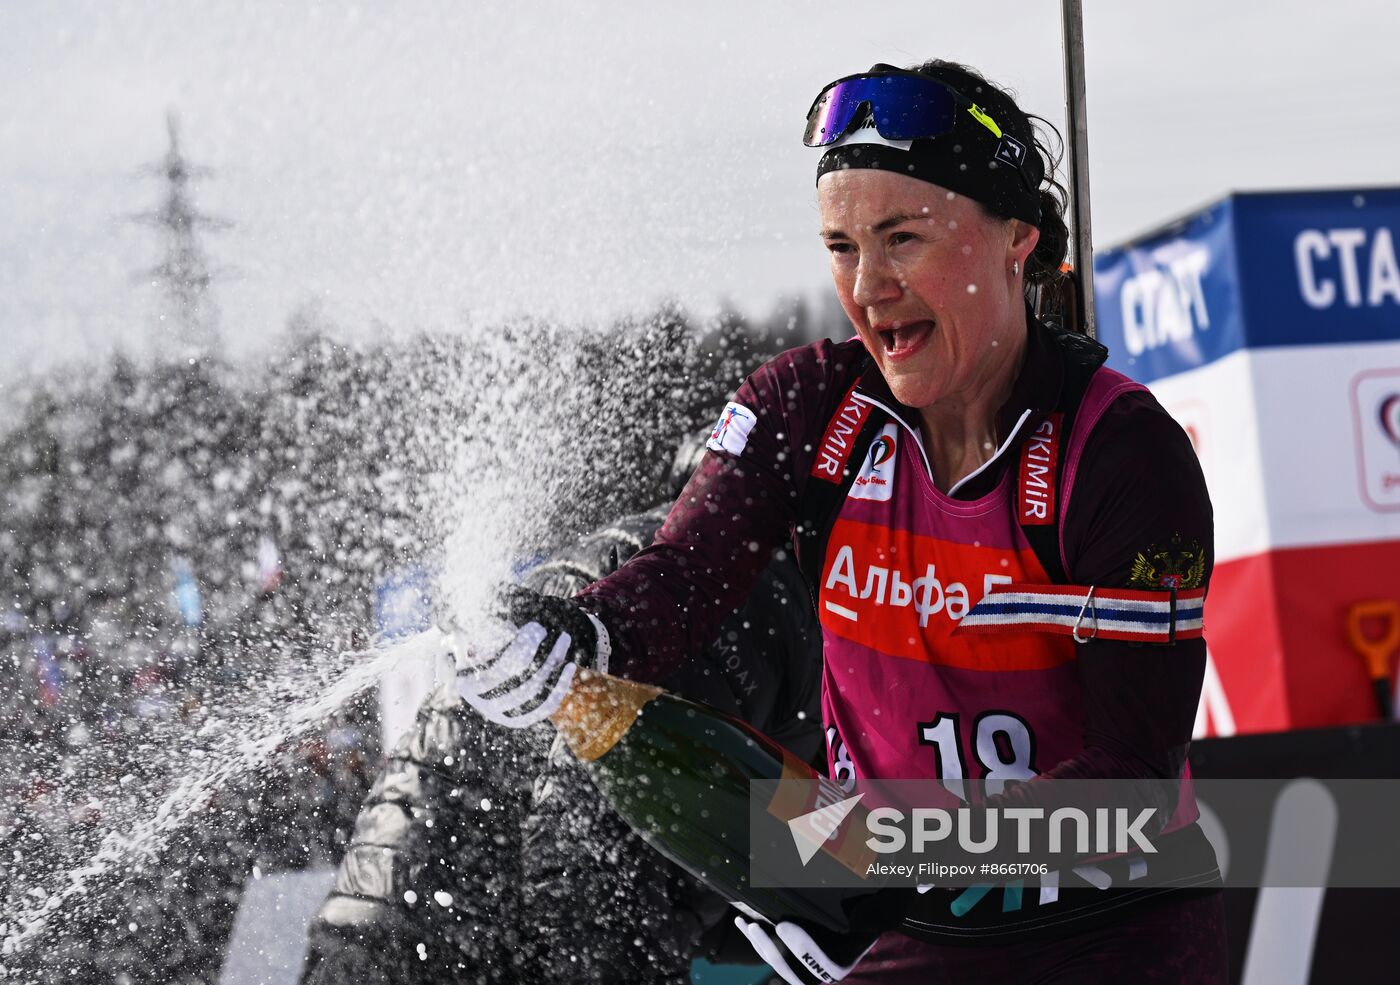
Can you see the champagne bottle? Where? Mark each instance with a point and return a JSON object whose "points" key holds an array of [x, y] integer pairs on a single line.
{"points": [[679, 774]]}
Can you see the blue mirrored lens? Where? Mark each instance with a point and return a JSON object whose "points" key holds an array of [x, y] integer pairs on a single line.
{"points": [[905, 107]]}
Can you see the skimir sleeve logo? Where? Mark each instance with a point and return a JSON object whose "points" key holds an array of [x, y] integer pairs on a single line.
{"points": [[840, 438], [1039, 457], [731, 431]]}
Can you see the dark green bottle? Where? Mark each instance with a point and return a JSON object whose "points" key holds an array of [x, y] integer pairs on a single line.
{"points": [[679, 774]]}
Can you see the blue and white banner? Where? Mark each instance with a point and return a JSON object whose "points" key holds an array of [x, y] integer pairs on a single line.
{"points": [[1170, 302], [1320, 268], [1252, 271]]}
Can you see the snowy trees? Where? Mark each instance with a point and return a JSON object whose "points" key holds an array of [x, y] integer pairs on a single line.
{"points": [[177, 536]]}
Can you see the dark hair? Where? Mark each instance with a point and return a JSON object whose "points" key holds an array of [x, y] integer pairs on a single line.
{"points": [[1044, 263]]}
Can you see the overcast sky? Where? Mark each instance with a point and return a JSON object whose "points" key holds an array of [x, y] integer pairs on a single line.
{"points": [[441, 165]]}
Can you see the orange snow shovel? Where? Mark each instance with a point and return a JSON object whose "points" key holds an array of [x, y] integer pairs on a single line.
{"points": [[1376, 650]]}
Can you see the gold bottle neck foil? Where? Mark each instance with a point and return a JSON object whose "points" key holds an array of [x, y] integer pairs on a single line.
{"points": [[598, 711]]}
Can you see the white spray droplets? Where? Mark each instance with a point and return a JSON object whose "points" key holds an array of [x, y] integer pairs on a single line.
{"points": [[475, 456]]}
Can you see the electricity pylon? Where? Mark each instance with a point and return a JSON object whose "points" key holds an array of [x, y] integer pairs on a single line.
{"points": [[188, 324]]}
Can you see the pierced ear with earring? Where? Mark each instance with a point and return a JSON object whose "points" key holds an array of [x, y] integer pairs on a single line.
{"points": [[1015, 268]]}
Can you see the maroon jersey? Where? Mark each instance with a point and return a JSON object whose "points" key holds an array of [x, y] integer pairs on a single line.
{"points": [[903, 697]]}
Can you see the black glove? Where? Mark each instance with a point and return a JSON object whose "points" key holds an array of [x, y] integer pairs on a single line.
{"points": [[527, 680]]}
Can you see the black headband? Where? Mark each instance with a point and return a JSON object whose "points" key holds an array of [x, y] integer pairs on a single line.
{"points": [[1003, 173]]}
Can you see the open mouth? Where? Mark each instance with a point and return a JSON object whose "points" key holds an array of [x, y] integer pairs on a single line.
{"points": [[902, 341]]}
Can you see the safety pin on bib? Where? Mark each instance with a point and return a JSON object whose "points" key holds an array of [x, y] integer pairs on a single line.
{"points": [[1094, 614]]}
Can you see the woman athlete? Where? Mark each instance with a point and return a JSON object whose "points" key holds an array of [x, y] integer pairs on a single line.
{"points": [[1007, 544]]}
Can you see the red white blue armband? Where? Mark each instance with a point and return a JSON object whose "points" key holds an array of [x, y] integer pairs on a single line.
{"points": [[1091, 612]]}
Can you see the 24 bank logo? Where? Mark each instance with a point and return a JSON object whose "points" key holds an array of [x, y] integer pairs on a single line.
{"points": [[1375, 397], [876, 478]]}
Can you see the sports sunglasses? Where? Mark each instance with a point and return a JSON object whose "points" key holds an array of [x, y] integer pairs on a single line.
{"points": [[904, 107]]}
